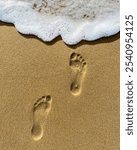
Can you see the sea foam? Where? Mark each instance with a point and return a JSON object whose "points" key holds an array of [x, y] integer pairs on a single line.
{"points": [[74, 20]]}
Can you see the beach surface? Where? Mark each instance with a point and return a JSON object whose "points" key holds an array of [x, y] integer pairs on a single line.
{"points": [[31, 69]]}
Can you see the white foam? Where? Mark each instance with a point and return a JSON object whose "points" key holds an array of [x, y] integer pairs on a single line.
{"points": [[73, 20]]}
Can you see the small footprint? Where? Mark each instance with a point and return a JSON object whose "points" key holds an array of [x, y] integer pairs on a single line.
{"points": [[41, 110], [78, 70]]}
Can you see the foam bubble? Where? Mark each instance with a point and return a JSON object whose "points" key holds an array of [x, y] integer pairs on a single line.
{"points": [[73, 20]]}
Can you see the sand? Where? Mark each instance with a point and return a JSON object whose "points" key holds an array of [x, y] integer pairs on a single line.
{"points": [[31, 69]]}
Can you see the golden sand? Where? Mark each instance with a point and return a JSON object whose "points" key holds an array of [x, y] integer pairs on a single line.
{"points": [[58, 97]]}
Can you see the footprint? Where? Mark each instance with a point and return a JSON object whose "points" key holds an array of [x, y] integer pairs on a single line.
{"points": [[78, 70], [41, 110]]}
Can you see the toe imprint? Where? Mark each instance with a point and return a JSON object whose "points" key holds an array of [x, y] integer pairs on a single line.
{"points": [[77, 62]]}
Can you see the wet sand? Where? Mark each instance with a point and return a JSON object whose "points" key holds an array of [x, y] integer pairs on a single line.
{"points": [[31, 69]]}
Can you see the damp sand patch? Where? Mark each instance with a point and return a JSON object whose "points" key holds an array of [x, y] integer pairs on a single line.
{"points": [[72, 20]]}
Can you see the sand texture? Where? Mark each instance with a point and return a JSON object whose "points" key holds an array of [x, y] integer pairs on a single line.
{"points": [[58, 97]]}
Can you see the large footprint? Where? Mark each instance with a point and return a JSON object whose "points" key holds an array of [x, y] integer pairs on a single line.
{"points": [[78, 70], [41, 110]]}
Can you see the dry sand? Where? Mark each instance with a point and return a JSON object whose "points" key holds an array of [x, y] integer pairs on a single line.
{"points": [[30, 69]]}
